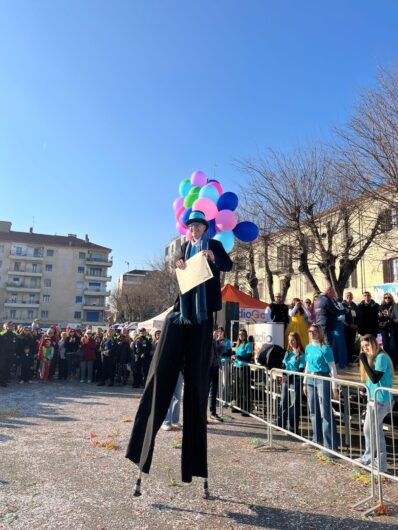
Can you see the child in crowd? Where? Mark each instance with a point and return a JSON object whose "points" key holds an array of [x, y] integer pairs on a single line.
{"points": [[46, 353]]}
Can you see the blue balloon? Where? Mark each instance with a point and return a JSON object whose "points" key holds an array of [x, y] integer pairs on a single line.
{"points": [[228, 201], [184, 187], [227, 239], [185, 216], [209, 192], [212, 228], [246, 231]]}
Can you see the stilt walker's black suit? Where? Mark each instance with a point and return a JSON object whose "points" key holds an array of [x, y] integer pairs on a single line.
{"points": [[187, 347]]}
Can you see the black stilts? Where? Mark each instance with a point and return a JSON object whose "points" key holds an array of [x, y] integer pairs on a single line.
{"points": [[206, 494], [137, 491]]}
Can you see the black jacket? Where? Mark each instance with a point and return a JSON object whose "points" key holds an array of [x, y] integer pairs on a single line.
{"points": [[368, 318], [213, 286]]}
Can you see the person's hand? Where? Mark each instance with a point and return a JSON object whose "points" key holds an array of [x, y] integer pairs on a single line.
{"points": [[335, 394], [305, 389], [209, 255], [180, 264], [362, 356]]}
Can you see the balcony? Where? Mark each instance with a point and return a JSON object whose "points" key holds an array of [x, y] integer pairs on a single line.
{"points": [[98, 291], [93, 307], [97, 277], [26, 256], [20, 287], [21, 303], [99, 262], [26, 272]]}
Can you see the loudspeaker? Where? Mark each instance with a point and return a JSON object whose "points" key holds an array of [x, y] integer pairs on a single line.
{"points": [[228, 314]]}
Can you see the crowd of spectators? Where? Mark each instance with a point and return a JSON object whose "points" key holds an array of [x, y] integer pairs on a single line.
{"points": [[29, 353], [342, 321]]}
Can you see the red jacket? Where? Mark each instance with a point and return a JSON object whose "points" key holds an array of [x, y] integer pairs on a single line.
{"points": [[88, 344]]}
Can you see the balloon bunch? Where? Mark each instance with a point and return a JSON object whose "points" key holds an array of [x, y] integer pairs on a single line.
{"points": [[206, 195]]}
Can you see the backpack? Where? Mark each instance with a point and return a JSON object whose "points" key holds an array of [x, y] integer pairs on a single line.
{"points": [[271, 356]]}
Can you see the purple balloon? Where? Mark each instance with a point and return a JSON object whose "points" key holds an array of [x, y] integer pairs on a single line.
{"points": [[198, 178], [246, 231], [178, 203]]}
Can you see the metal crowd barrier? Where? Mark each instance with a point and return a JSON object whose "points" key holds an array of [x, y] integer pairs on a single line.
{"points": [[276, 398]]}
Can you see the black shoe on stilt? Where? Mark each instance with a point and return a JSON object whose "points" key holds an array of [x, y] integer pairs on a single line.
{"points": [[206, 493]]}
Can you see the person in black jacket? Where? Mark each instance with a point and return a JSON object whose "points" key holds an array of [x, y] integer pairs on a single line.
{"points": [[185, 341], [142, 358], [8, 350], [350, 326], [109, 349], [26, 353], [368, 315]]}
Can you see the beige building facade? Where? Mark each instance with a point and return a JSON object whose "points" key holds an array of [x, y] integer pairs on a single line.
{"points": [[56, 279]]}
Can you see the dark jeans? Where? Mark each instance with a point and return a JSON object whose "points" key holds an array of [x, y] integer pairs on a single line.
{"points": [[108, 369], [5, 365], [242, 388], [389, 345], [214, 373], [350, 335], [26, 367], [62, 369], [289, 411]]}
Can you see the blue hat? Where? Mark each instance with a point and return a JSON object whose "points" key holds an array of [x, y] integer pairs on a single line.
{"points": [[197, 217]]}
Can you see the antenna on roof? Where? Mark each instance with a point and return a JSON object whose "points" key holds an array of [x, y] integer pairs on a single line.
{"points": [[128, 265], [33, 224]]}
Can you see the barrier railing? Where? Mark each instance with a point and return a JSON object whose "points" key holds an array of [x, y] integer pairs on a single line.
{"points": [[332, 422]]}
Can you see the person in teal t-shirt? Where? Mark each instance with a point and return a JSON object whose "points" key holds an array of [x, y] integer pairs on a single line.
{"points": [[243, 356], [376, 371], [294, 361]]}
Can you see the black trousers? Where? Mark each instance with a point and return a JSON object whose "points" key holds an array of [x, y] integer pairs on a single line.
{"points": [[26, 367], [185, 347], [5, 365], [214, 375], [108, 369]]}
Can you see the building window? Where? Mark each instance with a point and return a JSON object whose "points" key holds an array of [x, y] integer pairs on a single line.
{"points": [[30, 314], [17, 266], [34, 267], [47, 282], [79, 300], [46, 298], [80, 270], [390, 270], [49, 267], [13, 314], [44, 314], [389, 220], [166, 253], [50, 252], [82, 255], [95, 271], [77, 315], [37, 252], [284, 256]]}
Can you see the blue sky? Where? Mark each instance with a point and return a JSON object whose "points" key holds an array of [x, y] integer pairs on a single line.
{"points": [[105, 106]]}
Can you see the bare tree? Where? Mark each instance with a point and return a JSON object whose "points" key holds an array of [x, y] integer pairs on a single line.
{"points": [[154, 294], [315, 215], [368, 146]]}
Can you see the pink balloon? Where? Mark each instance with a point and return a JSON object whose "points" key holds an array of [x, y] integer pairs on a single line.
{"points": [[226, 220], [188, 234], [178, 203], [207, 207], [179, 212], [180, 229], [218, 186], [198, 178]]}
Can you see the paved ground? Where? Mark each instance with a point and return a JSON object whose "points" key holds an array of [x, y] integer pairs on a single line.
{"points": [[56, 473]]}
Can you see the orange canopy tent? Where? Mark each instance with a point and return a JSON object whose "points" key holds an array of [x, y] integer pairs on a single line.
{"points": [[231, 294]]}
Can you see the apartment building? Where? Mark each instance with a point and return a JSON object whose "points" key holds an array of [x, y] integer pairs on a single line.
{"points": [[57, 279], [132, 277], [173, 249]]}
